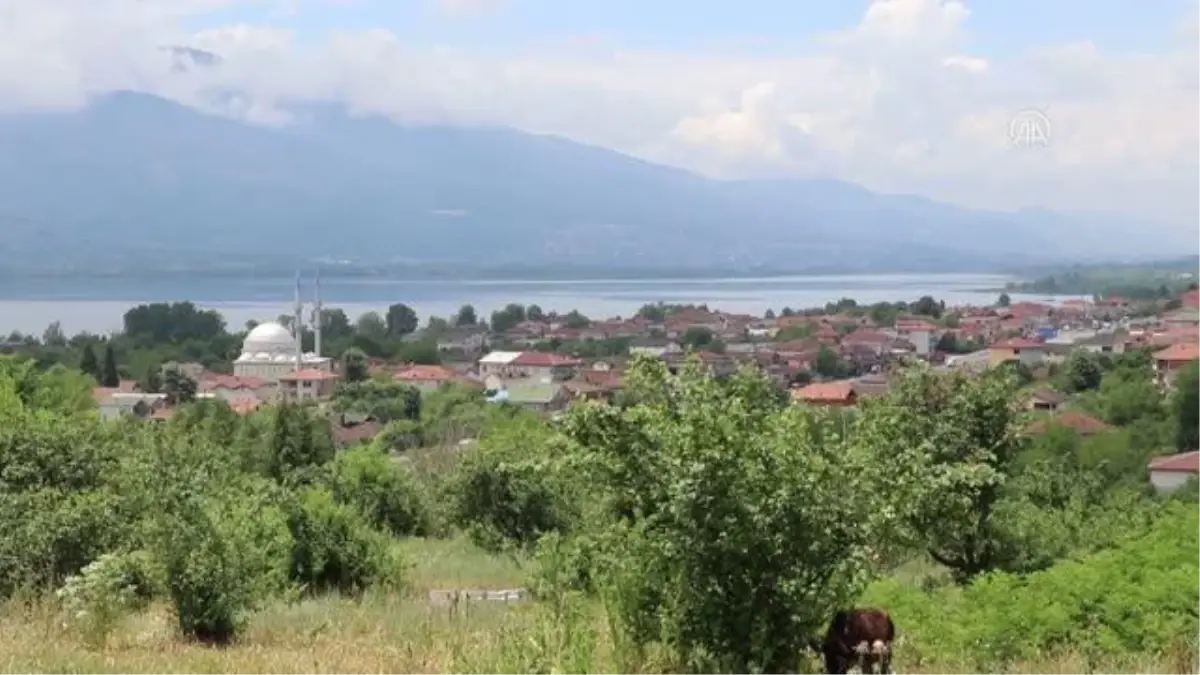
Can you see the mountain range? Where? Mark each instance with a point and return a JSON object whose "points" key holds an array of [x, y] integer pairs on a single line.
{"points": [[133, 179]]}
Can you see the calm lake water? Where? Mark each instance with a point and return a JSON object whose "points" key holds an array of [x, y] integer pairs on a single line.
{"points": [[98, 305]]}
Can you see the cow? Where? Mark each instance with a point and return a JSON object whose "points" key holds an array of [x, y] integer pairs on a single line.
{"points": [[858, 637]]}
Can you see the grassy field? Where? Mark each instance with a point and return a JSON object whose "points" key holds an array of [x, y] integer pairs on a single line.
{"points": [[400, 633]]}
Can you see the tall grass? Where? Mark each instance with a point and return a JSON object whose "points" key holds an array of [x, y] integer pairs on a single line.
{"points": [[408, 633]]}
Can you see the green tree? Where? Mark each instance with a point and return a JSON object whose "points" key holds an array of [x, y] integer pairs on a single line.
{"points": [[1186, 402], [1004, 300], [966, 432], [382, 400], [575, 319], [927, 306], [299, 445], [371, 325], [466, 316], [700, 532], [698, 337], [354, 365], [1082, 371], [535, 313], [335, 324], [504, 319], [178, 387], [109, 376], [401, 320], [88, 362], [828, 363]]}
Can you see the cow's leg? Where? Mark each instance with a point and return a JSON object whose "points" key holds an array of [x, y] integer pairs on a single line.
{"points": [[836, 664]]}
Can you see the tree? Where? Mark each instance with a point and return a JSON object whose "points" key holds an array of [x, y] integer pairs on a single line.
{"points": [[535, 313], [770, 314], [88, 362], [371, 325], [967, 432], [466, 316], [354, 365], [927, 306], [699, 529], [109, 377], [401, 320], [1187, 407], [828, 363], [178, 387], [697, 337], [504, 319], [53, 336], [575, 319], [1004, 300], [384, 401], [335, 324], [1082, 371]]}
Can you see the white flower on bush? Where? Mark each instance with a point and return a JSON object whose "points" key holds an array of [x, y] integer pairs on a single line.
{"points": [[103, 592]]}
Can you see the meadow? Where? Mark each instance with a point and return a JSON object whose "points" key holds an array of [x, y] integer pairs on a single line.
{"points": [[406, 632]]}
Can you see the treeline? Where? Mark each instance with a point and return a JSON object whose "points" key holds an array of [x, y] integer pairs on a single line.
{"points": [[1139, 285]]}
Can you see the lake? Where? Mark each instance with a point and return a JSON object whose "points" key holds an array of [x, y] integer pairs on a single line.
{"points": [[97, 305]]}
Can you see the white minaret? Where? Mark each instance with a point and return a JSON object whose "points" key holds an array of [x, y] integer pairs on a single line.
{"points": [[316, 314], [297, 325]]}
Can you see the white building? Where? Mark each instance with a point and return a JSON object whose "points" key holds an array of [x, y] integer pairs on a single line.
{"points": [[271, 351]]}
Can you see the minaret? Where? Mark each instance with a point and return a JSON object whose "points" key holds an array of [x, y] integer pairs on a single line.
{"points": [[297, 326], [317, 318]]}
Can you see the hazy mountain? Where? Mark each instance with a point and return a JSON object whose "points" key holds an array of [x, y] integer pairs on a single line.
{"points": [[141, 176]]}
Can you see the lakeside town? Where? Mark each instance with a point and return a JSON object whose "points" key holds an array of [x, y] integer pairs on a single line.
{"points": [[831, 356]]}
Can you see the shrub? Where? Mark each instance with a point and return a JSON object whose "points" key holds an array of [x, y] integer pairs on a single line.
{"points": [[333, 548], [384, 493], [222, 553], [105, 591]]}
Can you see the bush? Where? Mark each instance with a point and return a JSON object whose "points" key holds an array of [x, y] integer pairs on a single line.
{"points": [[1138, 597], [507, 491], [335, 549], [384, 493], [105, 591], [222, 554]]}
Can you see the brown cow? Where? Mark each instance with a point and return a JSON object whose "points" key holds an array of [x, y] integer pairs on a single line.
{"points": [[859, 636]]}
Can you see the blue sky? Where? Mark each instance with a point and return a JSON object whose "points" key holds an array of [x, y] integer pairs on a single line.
{"points": [[996, 27]]}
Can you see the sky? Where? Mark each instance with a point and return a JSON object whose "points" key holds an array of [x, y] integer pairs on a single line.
{"points": [[1080, 105]]}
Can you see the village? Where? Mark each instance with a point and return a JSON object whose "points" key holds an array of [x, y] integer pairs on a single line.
{"points": [[820, 358]]}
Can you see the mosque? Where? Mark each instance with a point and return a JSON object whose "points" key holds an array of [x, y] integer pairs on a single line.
{"points": [[271, 351]]}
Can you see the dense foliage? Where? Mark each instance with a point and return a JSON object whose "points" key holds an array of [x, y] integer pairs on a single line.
{"points": [[716, 524]]}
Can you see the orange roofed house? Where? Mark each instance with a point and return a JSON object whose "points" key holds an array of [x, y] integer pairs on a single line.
{"points": [[1028, 352], [839, 393], [307, 384], [1172, 472], [1168, 362], [429, 378]]}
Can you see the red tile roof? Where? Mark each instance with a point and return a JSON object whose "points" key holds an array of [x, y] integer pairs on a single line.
{"points": [[423, 373], [219, 381], [1184, 462], [1018, 343], [825, 392], [1180, 352], [915, 325], [1081, 423], [544, 360], [1192, 299]]}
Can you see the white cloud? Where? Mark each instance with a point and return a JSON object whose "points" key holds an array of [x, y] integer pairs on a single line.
{"points": [[897, 102]]}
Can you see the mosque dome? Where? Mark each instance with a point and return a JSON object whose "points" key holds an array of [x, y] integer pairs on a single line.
{"points": [[269, 339]]}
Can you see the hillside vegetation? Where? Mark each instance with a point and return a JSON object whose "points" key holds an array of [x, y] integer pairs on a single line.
{"points": [[696, 525]]}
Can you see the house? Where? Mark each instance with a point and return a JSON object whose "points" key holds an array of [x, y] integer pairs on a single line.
{"points": [[921, 333], [654, 347], [544, 366], [498, 364], [1046, 399], [307, 384], [1169, 361], [232, 387], [429, 378], [1081, 423], [839, 393], [115, 402], [872, 385], [537, 396], [469, 339], [1021, 350], [1171, 472]]}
